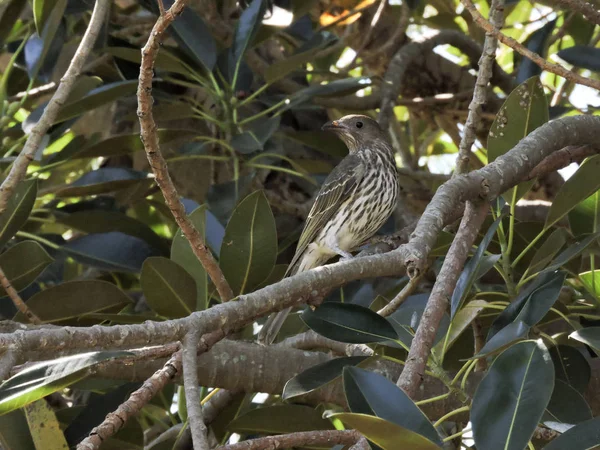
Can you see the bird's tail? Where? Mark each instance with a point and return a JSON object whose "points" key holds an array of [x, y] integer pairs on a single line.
{"points": [[268, 333]]}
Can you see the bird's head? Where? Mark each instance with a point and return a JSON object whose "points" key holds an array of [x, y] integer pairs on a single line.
{"points": [[356, 131]]}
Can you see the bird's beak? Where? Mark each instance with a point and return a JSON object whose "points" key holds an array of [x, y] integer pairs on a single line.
{"points": [[334, 125]]}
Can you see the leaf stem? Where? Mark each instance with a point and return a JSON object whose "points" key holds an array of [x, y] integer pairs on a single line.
{"points": [[450, 414], [529, 247]]}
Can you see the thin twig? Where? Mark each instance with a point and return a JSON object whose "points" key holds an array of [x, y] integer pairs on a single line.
{"points": [[114, 421], [67, 82], [17, 300], [399, 299], [320, 438], [478, 343], [192, 392], [585, 8], [414, 368], [157, 162], [537, 59], [486, 62]]}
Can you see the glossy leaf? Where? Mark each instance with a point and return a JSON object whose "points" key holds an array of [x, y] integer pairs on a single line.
{"points": [[507, 422], [249, 248], [582, 56], [41, 11], [170, 291], [22, 263], [571, 252], [65, 301], [280, 419], [194, 37], [104, 180], [42, 379], [472, 268], [164, 60], [548, 250], [566, 405], [45, 429], [255, 137], [17, 210], [585, 215], [8, 16], [14, 432], [406, 319], [323, 141], [537, 42], [110, 251], [182, 254], [246, 29], [571, 367], [537, 294], [589, 336], [577, 188], [97, 97], [460, 323], [345, 86], [318, 376], [584, 436], [370, 393], [386, 435], [524, 110], [99, 221], [591, 282], [346, 322], [512, 332]]}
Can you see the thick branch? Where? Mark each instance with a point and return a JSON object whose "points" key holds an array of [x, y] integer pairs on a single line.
{"points": [[192, 392], [403, 58], [67, 82], [319, 438], [445, 283], [488, 57], [537, 59], [149, 138]]}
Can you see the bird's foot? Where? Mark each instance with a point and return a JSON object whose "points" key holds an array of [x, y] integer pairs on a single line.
{"points": [[345, 256]]}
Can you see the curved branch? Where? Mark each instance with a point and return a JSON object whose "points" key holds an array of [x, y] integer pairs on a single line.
{"points": [[149, 138], [318, 438], [519, 48], [67, 82]]}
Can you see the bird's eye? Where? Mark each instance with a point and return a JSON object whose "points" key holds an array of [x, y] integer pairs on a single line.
{"points": [[359, 124]]}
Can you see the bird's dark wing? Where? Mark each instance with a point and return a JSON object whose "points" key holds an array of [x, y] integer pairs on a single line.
{"points": [[336, 189]]}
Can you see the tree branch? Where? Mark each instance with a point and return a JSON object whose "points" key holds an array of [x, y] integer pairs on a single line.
{"points": [[583, 7], [137, 400], [488, 57], [192, 392], [318, 438], [67, 82], [150, 140], [17, 300], [443, 288], [537, 59]]}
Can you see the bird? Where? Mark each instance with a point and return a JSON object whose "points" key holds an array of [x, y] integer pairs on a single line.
{"points": [[354, 201]]}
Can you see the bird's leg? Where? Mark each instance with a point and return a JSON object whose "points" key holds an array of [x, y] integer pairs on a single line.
{"points": [[338, 251]]}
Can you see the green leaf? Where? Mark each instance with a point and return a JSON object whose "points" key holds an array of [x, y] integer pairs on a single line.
{"points": [[524, 110], [96, 98], [246, 29], [584, 436], [511, 398], [45, 429], [182, 254], [17, 210], [14, 432], [571, 252], [194, 37], [566, 405], [100, 221], [75, 298], [318, 376], [373, 394], [511, 333], [577, 188], [281, 68], [386, 435], [585, 217], [9, 16], [472, 268], [345, 86], [323, 141], [280, 419], [461, 321], [103, 180], [548, 250], [170, 291], [589, 336], [41, 11], [591, 281], [249, 248], [347, 322], [22, 263], [42, 379], [164, 60], [571, 367]]}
